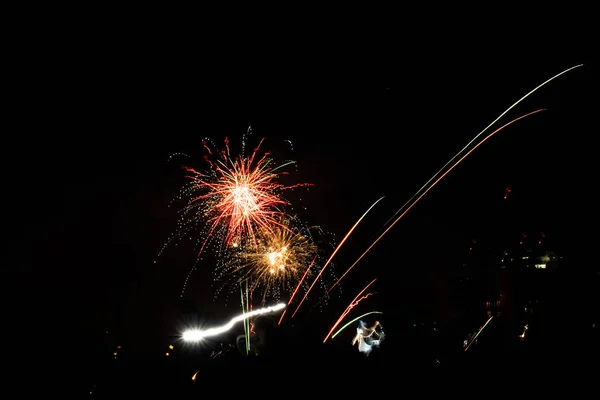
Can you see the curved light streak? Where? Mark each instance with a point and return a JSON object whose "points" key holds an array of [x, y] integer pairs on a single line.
{"points": [[479, 134], [427, 190], [196, 335], [352, 304], [354, 320], [333, 254]]}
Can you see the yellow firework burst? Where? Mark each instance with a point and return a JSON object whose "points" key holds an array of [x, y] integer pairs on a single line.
{"points": [[277, 261]]}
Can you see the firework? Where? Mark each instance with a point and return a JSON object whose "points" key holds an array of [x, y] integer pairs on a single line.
{"points": [[464, 149], [235, 197], [451, 164], [407, 209], [353, 321], [474, 337], [234, 201], [238, 196], [277, 264], [276, 261], [337, 248]]}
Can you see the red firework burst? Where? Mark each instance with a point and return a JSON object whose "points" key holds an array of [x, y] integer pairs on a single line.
{"points": [[238, 196]]}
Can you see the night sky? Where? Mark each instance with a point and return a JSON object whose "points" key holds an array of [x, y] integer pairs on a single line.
{"points": [[91, 190]]}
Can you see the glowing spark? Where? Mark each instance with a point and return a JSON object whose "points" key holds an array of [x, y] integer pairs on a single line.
{"points": [[334, 253], [522, 335], [427, 190], [196, 335], [352, 304]]}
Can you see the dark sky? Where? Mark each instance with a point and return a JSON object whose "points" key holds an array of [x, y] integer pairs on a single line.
{"points": [[91, 188]]}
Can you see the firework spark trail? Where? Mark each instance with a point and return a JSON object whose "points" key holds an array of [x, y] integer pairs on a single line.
{"points": [[281, 318], [297, 287], [352, 304], [301, 280], [196, 335], [334, 253], [428, 189], [354, 320], [478, 332], [245, 310], [476, 136]]}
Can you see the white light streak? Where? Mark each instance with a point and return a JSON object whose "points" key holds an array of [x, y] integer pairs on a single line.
{"points": [[196, 335]]}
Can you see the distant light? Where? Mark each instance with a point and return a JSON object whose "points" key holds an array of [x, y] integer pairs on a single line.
{"points": [[171, 346]]}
